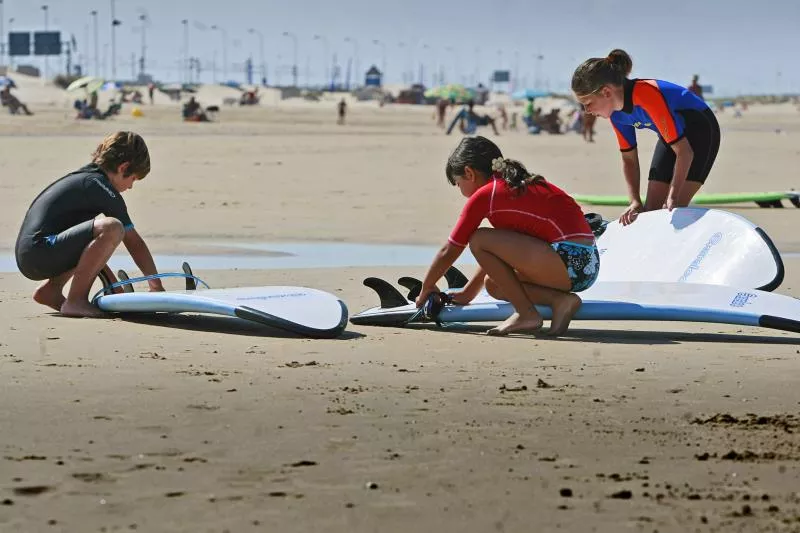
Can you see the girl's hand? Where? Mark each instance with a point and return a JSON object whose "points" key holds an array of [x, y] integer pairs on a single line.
{"points": [[671, 202], [630, 214], [461, 297], [423, 295]]}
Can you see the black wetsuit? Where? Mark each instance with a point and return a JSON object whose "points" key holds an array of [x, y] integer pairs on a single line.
{"points": [[59, 223]]}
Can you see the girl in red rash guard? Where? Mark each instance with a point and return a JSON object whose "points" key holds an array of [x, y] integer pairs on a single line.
{"points": [[540, 249]]}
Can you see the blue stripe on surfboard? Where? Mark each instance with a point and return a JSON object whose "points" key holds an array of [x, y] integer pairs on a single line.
{"points": [[604, 311]]}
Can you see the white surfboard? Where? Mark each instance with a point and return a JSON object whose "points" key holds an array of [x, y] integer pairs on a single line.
{"points": [[688, 302], [690, 245], [300, 310]]}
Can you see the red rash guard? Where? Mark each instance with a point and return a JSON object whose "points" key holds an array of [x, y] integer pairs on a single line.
{"points": [[543, 211]]}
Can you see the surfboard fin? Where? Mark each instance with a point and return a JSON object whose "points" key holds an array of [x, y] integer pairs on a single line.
{"points": [[123, 276], [390, 297], [191, 284], [413, 285], [795, 199], [105, 281], [455, 279]]}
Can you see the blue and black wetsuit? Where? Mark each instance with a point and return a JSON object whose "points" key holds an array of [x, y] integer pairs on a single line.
{"points": [[59, 223], [673, 112]]}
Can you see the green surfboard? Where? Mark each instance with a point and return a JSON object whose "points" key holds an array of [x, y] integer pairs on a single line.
{"points": [[763, 199]]}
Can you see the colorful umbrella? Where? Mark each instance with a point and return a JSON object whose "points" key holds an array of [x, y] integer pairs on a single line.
{"points": [[455, 92], [90, 83], [524, 94]]}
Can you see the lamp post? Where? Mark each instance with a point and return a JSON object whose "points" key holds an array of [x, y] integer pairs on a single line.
{"points": [[538, 73], [2, 34], [46, 9], [114, 23], [187, 66], [261, 51], [355, 54], [93, 13], [326, 58], [377, 42], [224, 50], [143, 20], [294, 56]]}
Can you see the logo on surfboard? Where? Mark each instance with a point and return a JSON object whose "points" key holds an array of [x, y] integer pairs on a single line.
{"points": [[695, 265], [742, 298]]}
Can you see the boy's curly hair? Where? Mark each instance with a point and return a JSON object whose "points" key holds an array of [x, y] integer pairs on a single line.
{"points": [[123, 147]]}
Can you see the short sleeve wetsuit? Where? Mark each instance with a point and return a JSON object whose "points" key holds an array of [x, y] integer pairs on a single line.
{"points": [[59, 223], [674, 113], [542, 211]]}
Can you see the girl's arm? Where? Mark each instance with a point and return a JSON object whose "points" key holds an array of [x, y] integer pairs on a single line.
{"points": [[630, 169], [443, 260], [471, 289]]}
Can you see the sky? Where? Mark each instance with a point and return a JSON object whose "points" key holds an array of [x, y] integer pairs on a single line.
{"points": [[735, 46]]}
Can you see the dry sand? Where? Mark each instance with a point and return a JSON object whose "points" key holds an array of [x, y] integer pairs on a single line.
{"points": [[189, 424]]}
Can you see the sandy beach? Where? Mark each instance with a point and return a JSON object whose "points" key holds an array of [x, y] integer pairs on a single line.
{"points": [[197, 424]]}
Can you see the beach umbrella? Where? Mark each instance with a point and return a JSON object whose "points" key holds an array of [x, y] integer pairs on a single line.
{"points": [[454, 91], [111, 86], [524, 94], [6, 81], [90, 83]]}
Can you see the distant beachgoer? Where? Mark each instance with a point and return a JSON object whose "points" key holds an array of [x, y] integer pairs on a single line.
{"points": [[12, 102], [342, 107], [441, 111], [193, 111], [587, 126], [695, 87], [468, 120], [688, 131], [503, 116], [151, 89], [63, 237]]}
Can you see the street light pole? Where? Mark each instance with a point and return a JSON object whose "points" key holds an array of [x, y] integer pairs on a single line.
{"points": [[326, 61], [93, 13], [261, 51], [45, 8], [224, 51], [187, 67], [294, 55], [113, 42], [383, 55], [2, 34], [143, 20], [355, 56]]}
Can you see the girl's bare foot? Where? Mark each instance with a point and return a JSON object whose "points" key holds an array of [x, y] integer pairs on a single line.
{"points": [[517, 323], [563, 311], [81, 308], [50, 295]]}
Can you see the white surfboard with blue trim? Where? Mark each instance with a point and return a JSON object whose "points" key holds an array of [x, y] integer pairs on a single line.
{"points": [[300, 310], [690, 245], [655, 301]]}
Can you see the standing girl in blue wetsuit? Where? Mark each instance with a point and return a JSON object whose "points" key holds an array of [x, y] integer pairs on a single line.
{"points": [[687, 129]]}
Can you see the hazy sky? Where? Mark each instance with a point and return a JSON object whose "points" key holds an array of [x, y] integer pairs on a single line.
{"points": [[738, 46]]}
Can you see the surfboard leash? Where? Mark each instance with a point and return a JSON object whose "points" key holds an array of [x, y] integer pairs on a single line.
{"points": [[108, 288]]}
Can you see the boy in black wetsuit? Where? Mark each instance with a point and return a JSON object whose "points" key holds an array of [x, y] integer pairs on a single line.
{"points": [[62, 236]]}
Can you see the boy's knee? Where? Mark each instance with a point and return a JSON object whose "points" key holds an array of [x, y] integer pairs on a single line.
{"points": [[110, 226]]}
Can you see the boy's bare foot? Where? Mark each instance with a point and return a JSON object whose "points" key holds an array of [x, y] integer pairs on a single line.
{"points": [[563, 311], [81, 309], [516, 323], [50, 295]]}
